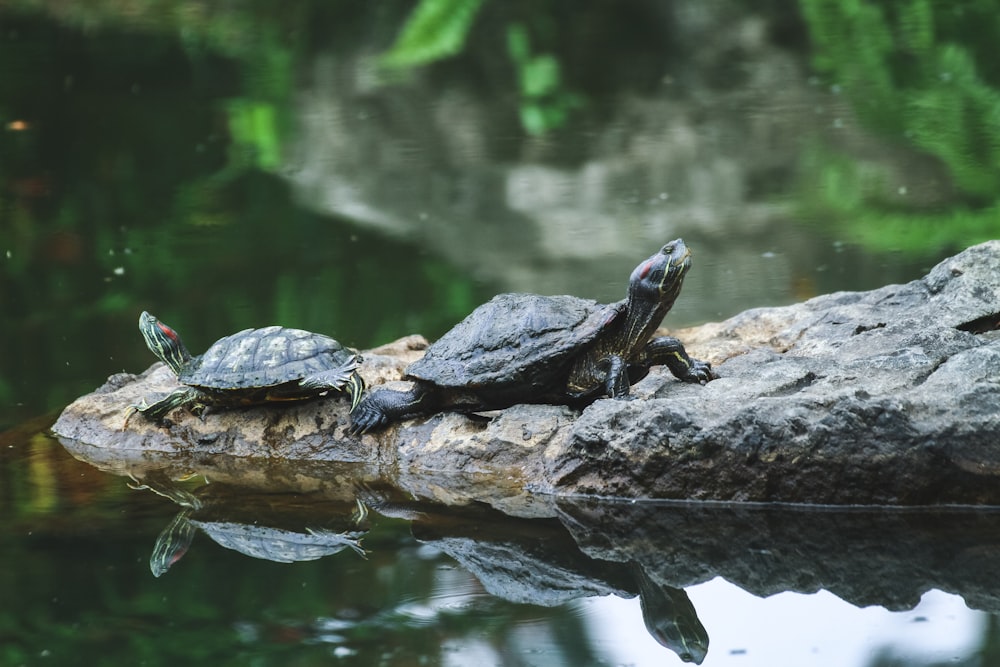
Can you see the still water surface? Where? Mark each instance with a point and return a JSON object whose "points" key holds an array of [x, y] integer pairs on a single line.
{"points": [[131, 182], [108, 572]]}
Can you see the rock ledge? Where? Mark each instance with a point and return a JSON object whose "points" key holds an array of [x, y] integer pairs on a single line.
{"points": [[884, 397]]}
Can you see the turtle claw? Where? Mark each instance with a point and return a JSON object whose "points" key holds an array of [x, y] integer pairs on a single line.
{"points": [[198, 410], [365, 418], [379, 408], [129, 411], [700, 372]]}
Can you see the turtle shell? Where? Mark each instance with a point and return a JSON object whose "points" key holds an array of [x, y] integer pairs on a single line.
{"points": [[517, 340], [263, 358], [277, 544]]}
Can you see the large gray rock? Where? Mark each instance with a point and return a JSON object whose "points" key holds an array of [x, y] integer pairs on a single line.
{"points": [[887, 397]]}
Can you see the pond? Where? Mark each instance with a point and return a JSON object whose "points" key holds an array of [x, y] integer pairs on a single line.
{"points": [[228, 167]]}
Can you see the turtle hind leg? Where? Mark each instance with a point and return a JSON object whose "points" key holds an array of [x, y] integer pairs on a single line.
{"points": [[157, 411], [379, 408]]}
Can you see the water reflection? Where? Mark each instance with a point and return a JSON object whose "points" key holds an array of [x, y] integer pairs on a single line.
{"points": [[527, 561], [264, 542], [550, 553], [671, 618], [247, 527]]}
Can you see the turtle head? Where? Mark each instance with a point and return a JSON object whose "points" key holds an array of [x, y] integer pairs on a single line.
{"points": [[659, 278], [163, 342]]}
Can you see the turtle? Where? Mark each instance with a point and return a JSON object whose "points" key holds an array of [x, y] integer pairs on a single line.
{"points": [[253, 539], [251, 367], [527, 348], [671, 618]]}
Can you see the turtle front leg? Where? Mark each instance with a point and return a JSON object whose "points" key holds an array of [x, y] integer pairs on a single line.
{"points": [[669, 352], [616, 381], [379, 408], [157, 411], [621, 375]]}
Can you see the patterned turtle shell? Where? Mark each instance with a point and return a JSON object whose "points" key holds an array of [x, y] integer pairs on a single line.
{"points": [[253, 366], [263, 358]]}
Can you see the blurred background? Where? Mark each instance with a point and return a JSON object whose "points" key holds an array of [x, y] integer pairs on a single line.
{"points": [[374, 170], [371, 170]]}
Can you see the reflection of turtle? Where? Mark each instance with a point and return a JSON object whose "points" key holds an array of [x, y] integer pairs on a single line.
{"points": [[525, 348], [172, 543], [671, 618], [264, 542], [250, 367], [277, 544]]}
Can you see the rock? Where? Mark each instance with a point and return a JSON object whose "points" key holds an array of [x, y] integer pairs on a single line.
{"points": [[884, 397]]}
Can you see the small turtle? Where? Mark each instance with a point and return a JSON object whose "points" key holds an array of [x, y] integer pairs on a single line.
{"points": [[264, 542], [526, 348], [251, 367]]}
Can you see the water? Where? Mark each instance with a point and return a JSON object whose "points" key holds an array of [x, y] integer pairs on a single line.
{"points": [[442, 584], [234, 170]]}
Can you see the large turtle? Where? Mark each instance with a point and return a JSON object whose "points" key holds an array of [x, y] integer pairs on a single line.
{"points": [[251, 367], [526, 348]]}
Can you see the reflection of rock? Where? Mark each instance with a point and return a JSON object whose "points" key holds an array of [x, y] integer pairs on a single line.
{"points": [[864, 556], [538, 562], [886, 397], [544, 550]]}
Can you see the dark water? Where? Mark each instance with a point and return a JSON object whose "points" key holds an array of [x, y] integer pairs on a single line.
{"points": [[268, 571], [229, 168]]}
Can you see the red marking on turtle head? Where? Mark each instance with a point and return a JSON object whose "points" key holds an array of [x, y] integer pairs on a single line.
{"points": [[170, 333], [644, 271]]}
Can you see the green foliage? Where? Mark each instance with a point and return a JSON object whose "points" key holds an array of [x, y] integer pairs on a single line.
{"points": [[913, 233], [847, 193], [436, 29], [959, 121], [921, 71], [545, 103], [256, 140]]}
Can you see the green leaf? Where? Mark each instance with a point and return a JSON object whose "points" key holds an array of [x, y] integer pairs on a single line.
{"points": [[436, 29], [254, 127], [540, 76], [518, 44], [533, 119]]}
